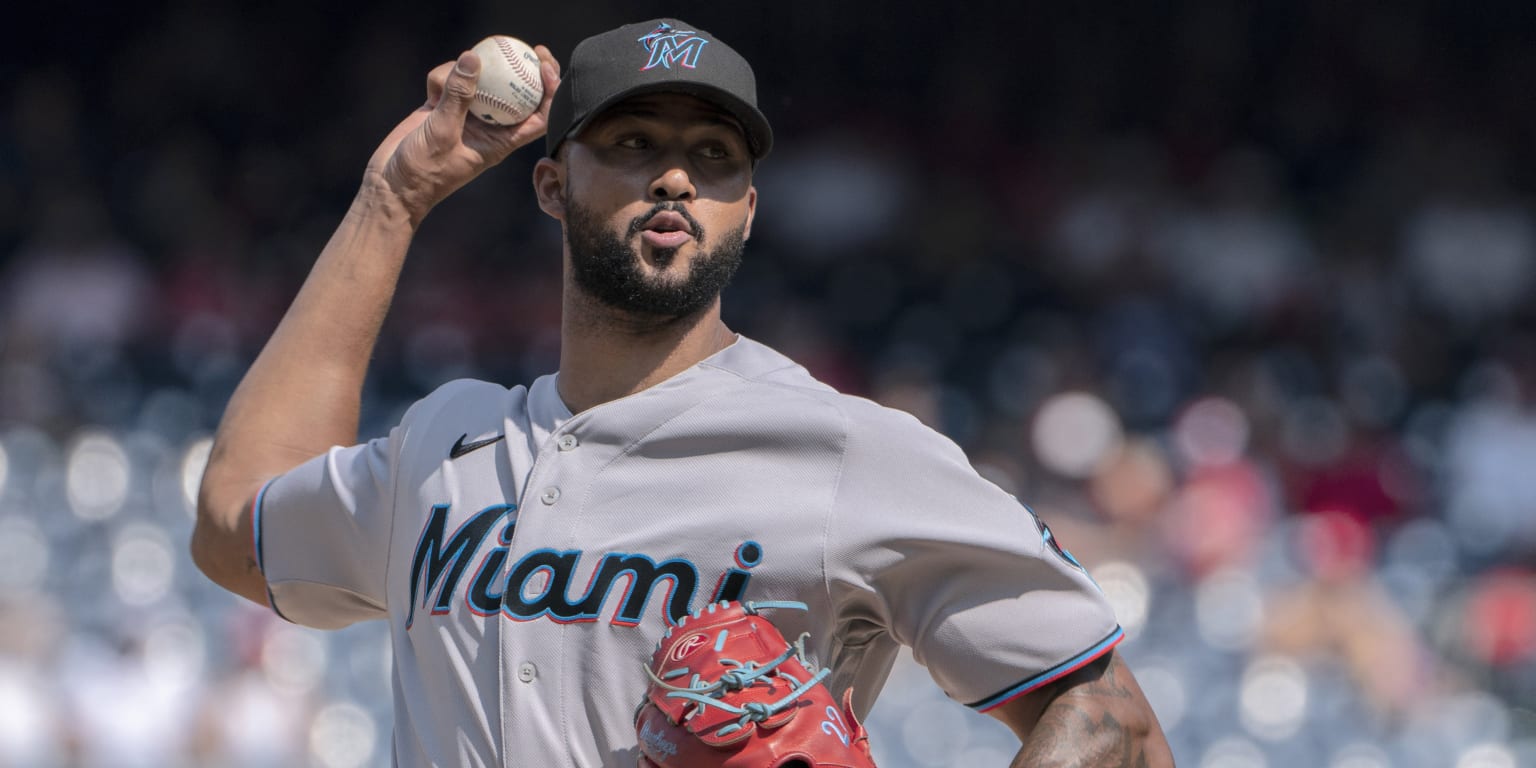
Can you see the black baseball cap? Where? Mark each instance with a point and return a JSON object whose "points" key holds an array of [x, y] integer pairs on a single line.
{"points": [[660, 56]]}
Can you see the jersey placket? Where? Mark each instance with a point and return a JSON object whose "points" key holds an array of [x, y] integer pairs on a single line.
{"points": [[533, 642], [547, 719]]}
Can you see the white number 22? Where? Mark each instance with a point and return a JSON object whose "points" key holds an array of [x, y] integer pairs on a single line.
{"points": [[835, 726]]}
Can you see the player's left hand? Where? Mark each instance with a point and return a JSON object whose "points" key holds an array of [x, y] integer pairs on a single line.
{"points": [[727, 691], [436, 150]]}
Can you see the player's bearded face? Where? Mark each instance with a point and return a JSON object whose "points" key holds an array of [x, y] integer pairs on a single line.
{"points": [[606, 265]]}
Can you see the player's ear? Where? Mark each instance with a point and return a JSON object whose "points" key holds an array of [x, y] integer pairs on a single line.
{"points": [[746, 233], [549, 186]]}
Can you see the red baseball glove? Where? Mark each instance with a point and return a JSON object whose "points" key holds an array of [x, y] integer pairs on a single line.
{"points": [[727, 690]]}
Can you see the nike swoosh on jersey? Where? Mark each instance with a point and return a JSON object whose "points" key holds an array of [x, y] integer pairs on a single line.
{"points": [[460, 447]]}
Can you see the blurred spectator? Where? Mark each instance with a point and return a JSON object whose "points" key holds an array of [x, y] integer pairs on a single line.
{"points": [[1490, 490], [1338, 612], [1238, 254]]}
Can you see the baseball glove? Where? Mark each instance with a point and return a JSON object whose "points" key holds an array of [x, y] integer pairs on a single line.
{"points": [[727, 690]]}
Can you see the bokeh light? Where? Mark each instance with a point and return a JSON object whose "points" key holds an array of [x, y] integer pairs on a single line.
{"points": [[1219, 517], [175, 650], [1487, 756], [1360, 755], [1129, 595], [1466, 719], [1165, 691], [1274, 697], [142, 564], [1233, 752], [1500, 622], [342, 736], [1074, 432], [1135, 483], [1229, 608], [97, 476], [293, 659], [1334, 545], [1212, 430], [28, 727]]}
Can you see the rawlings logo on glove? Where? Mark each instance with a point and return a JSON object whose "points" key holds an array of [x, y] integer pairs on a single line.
{"points": [[727, 690]]}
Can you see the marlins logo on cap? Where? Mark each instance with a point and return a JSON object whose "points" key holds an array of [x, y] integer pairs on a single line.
{"points": [[656, 56], [668, 45]]}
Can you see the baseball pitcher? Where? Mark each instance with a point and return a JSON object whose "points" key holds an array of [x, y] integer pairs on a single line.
{"points": [[679, 548]]}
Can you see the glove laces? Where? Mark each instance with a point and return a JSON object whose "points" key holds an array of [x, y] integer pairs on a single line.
{"points": [[742, 675]]}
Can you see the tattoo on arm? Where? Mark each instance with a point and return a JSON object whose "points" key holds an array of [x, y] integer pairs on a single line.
{"points": [[1098, 720]]}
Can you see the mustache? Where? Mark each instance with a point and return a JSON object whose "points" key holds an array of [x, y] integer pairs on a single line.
{"points": [[638, 223]]}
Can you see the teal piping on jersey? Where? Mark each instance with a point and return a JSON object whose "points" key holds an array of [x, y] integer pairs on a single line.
{"points": [[261, 564], [1051, 675]]}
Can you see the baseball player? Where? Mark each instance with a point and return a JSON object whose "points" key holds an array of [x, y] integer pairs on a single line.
{"points": [[530, 545]]}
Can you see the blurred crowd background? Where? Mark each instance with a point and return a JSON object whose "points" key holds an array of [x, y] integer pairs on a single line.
{"points": [[1237, 296]]}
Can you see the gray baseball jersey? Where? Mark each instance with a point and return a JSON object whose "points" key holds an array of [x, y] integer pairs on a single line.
{"points": [[528, 559]]}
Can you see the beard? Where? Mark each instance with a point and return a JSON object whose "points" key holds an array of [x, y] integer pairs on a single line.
{"points": [[608, 268]]}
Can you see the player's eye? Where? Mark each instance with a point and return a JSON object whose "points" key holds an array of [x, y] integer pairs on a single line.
{"points": [[634, 142], [715, 152]]}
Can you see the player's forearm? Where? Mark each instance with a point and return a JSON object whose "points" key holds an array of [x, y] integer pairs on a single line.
{"points": [[302, 394], [1103, 722]]}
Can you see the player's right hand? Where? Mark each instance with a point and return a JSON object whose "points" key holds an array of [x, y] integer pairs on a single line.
{"points": [[435, 150]]}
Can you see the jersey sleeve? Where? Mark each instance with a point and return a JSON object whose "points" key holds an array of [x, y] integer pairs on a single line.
{"points": [[323, 533], [955, 568]]}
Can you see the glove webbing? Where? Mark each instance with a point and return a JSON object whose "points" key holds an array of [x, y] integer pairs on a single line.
{"points": [[742, 675]]}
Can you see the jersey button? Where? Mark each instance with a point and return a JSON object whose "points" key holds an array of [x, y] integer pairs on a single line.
{"points": [[550, 495], [526, 671], [568, 442]]}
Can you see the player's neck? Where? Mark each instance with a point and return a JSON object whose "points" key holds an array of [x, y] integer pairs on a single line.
{"points": [[605, 356]]}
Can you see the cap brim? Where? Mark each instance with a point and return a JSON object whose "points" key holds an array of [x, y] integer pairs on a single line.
{"points": [[754, 125]]}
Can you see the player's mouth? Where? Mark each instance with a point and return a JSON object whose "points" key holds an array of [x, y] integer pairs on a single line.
{"points": [[666, 229]]}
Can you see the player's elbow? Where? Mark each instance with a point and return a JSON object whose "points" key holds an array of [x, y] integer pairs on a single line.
{"points": [[210, 551], [204, 551], [201, 556], [222, 558], [222, 543]]}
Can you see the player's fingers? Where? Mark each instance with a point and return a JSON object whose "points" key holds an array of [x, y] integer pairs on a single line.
{"points": [[446, 123], [549, 71], [436, 80], [548, 59]]}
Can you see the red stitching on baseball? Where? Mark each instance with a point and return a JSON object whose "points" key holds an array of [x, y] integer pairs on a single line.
{"points": [[499, 103], [517, 62]]}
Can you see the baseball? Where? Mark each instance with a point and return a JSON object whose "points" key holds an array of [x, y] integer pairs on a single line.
{"points": [[510, 87]]}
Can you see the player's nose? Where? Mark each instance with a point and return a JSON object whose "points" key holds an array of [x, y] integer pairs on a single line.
{"points": [[673, 183]]}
